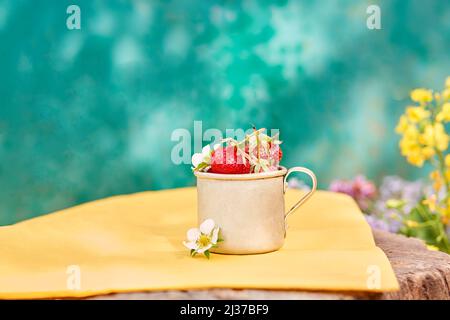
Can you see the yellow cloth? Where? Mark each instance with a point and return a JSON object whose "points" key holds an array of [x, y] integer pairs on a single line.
{"points": [[134, 243]]}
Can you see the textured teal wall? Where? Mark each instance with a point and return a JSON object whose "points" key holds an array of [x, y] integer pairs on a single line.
{"points": [[86, 114]]}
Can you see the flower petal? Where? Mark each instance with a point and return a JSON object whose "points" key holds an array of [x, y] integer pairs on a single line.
{"points": [[207, 226], [201, 250], [190, 245], [215, 235], [206, 150], [197, 158], [193, 234]]}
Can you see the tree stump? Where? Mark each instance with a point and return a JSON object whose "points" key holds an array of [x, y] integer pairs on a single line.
{"points": [[421, 273]]}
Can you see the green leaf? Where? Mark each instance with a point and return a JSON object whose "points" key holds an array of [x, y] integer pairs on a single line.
{"points": [[427, 226], [395, 204], [201, 166], [206, 253], [193, 253]]}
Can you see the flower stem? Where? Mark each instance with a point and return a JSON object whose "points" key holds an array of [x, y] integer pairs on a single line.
{"points": [[442, 170]]}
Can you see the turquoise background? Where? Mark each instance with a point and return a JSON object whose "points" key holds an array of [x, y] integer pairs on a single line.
{"points": [[89, 113]]}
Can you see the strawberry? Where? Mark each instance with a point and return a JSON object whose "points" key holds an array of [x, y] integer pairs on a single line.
{"points": [[273, 152], [226, 160], [270, 153]]}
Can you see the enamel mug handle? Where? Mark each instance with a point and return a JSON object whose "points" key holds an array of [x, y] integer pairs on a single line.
{"points": [[306, 196]]}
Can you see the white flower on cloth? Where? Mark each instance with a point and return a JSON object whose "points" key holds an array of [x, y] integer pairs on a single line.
{"points": [[202, 160], [200, 240]]}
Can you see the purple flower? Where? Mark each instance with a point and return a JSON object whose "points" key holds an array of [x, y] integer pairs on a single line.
{"points": [[295, 183], [376, 223], [394, 187], [373, 202], [360, 189]]}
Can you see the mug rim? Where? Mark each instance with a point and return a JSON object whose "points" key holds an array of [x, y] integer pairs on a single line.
{"points": [[245, 176]]}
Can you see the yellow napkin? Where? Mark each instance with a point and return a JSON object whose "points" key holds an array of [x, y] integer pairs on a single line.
{"points": [[134, 243]]}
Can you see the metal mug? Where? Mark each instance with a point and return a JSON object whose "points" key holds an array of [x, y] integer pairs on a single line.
{"points": [[248, 208]]}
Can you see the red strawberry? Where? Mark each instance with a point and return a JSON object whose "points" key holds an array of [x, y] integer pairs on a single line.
{"points": [[280, 153], [273, 155], [226, 160], [275, 152]]}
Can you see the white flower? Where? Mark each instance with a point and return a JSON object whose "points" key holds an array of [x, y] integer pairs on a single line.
{"points": [[200, 240], [204, 156], [197, 158]]}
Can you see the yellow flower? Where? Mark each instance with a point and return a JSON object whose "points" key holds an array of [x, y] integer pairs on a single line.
{"points": [[434, 136], [447, 160], [431, 202], [409, 140], [445, 214], [418, 147], [411, 133], [412, 223], [427, 137], [434, 175], [428, 152], [447, 82], [413, 154], [416, 114], [416, 159], [411, 149], [447, 174], [440, 137], [421, 95], [437, 180], [446, 94], [432, 248], [408, 145], [444, 114], [402, 124]]}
